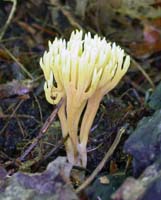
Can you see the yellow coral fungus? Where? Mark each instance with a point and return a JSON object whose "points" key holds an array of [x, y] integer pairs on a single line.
{"points": [[84, 70]]}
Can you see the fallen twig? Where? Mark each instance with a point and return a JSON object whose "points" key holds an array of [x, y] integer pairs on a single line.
{"points": [[52, 151], [11, 116], [42, 131], [143, 72], [67, 14], [9, 18], [60, 143], [20, 65], [102, 163]]}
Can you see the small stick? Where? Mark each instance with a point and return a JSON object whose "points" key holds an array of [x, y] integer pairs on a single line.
{"points": [[60, 143], [103, 161], [143, 72], [11, 116], [18, 63], [9, 18], [42, 131]]}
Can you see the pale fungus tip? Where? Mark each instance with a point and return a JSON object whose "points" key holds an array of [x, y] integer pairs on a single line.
{"points": [[81, 58]]}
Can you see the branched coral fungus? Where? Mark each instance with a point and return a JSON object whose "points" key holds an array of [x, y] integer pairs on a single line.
{"points": [[83, 70]]}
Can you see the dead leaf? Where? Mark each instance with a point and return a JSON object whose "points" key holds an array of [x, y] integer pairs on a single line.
{"points": [[15, 88], [104, 180], [113, 167]]}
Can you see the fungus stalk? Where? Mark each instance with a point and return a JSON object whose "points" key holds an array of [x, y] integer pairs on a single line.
{"points": [[81, 70]]}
